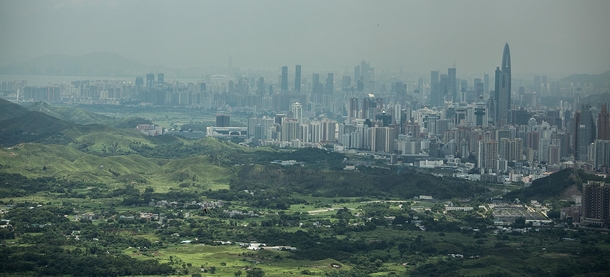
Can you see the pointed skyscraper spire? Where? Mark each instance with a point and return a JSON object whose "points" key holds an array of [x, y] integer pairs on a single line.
{"points": [[506, 59], [503, 90]]}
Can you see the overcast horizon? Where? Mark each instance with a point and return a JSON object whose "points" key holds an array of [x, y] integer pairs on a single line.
{"points": [[545, 37]]}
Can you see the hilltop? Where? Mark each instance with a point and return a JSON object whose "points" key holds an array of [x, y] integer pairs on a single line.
{"points": [[598, 81], [73, 115], [82, 117], [9, 109], [339, 183], [64, 125], [32, 126], [37, 160], [554, 185]]}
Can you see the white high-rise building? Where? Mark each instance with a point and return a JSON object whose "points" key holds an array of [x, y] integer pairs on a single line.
{"points": [[601, 153], [306, 133], [290, 129], [297, 111], [316, 131], [328, 130]]}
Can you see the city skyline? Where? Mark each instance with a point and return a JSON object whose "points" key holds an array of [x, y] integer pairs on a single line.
{"points": [[319, 35]]}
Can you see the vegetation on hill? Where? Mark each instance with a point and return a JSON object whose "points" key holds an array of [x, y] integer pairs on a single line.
{"points": [[82, 117], [228, 153], [64, 125], [10, 110], [32, 126], [328, 183], [37, 160], [15, 185], [73, 115], [553, 185], [46, 260]]}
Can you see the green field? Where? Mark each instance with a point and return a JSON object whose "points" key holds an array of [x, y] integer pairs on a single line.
{"points": [[229, 259]]}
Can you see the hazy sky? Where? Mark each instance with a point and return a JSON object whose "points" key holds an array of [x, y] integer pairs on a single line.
{"points": [[547, 37]]}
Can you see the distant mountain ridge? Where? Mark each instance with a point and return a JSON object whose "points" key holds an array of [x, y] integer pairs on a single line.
{"points": [[98, 63], [42, 121], [598, 81]]}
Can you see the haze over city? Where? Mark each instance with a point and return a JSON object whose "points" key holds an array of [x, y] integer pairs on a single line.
{"points": [[556, 38]]}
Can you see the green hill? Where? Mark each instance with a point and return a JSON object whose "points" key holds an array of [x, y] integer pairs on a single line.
{"points": [[32, 126], [63, 125], [103, 140], [553, 185], [64, 162], [367, 183], [82, 116], [9, 109], [74, 115]]}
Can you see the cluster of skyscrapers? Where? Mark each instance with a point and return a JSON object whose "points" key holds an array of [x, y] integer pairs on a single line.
{"points": [[483, 122], [499, 131]]}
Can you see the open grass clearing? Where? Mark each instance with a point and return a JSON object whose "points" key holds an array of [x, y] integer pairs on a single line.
{"points": [[273, 263]]}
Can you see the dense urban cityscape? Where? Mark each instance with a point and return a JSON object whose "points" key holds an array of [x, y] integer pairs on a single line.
{"points": [[490, 135], [484, 127]]}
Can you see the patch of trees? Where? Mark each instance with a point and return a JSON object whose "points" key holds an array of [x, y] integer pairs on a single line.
{"points": [[54, 261], [312, 157], [133, 197], [226, 152], [15, 185], [347, 273], [270, 199], [57, 138], [221, 151], [441, 268], [372, 183], [197, 126]]}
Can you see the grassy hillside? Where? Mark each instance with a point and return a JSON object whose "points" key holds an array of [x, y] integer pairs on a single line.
{"points": [[82, 116], [74, 115], [63, 125], [9, 109], [34, 123], [103, 140], [32, 126], [38, 160]]}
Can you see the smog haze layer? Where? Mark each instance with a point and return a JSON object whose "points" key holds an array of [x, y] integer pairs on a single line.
{"points": [[551, 37]]}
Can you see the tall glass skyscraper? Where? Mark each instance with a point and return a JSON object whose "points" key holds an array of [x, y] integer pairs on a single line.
{"points": [[297, 78], [284, 84], [502, 90]]}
